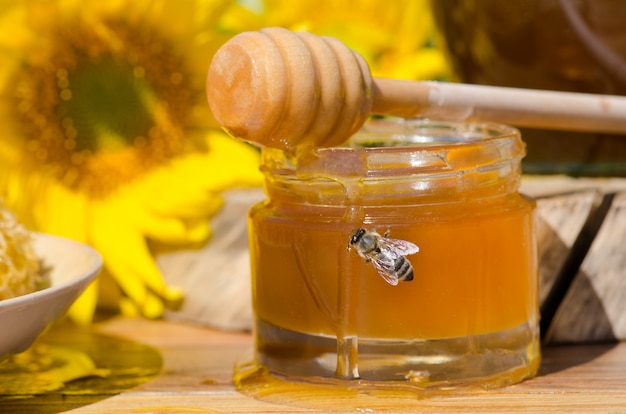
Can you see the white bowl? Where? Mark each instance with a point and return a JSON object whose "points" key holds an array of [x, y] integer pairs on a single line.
{"points": [[23, 318]]}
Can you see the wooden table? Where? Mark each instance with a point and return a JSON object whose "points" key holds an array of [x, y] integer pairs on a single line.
{"points": [[193, 368]]}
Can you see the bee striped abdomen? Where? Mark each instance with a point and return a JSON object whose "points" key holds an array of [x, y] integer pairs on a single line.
{"points": [[403, 269]]}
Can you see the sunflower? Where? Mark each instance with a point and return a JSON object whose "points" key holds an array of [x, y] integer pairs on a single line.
{"points": [[105, 136], [396, 37]]}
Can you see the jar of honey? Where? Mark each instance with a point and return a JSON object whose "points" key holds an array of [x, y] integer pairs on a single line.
{"points": [[328, 306]]}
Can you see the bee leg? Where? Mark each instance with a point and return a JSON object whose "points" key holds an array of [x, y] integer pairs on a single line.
{"points": [[387, 233]]}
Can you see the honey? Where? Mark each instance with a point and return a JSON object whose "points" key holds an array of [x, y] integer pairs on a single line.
{"points": [[469, 316]]}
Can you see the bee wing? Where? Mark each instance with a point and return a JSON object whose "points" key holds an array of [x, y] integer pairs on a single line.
{"points": [[384, 267], [399, 247]]}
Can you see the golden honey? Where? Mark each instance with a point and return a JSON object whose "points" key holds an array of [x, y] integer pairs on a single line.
{"points": [[469, 316]]}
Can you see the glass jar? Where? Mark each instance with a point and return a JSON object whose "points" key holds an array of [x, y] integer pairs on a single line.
{"points": [[322, 311], [575, 46]]}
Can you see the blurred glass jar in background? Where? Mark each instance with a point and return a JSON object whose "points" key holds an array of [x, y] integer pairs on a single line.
{"points": [[566, 45]]}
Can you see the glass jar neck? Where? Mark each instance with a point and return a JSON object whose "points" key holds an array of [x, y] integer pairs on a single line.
{"points": [[401, 162]]}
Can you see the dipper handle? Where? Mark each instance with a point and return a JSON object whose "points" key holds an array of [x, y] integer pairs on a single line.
{"points": [[515, 106]]}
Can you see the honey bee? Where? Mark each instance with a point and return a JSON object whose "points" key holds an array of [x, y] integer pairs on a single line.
{"points": [[388, 256]]}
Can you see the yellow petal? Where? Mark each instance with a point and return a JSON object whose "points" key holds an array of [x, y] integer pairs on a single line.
{"points": [[83, 309], [62, 212], [174, 230], [126, 254], [190, 186]]}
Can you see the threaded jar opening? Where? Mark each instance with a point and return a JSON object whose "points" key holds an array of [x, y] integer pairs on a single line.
{"points": [[401, 161]]}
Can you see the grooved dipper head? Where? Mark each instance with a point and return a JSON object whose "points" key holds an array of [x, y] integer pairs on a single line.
{"points": [[288, 90]]}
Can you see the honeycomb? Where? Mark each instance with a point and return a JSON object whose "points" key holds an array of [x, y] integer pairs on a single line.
{"points": [[19, 267]]}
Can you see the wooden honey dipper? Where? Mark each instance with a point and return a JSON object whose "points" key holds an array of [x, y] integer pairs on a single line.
{"points": [[287, 90]]}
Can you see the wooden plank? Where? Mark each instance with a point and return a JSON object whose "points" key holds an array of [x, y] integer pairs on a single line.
{"points": [[539, 186], [560, 219], [593, 309], [216, 277], [198, 364]]}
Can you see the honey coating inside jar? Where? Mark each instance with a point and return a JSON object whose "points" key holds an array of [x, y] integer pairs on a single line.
{"points": [[474, 273]]}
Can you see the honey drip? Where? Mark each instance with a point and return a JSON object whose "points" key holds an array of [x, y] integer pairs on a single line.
{"points": [[330, 332], [347, 338]]}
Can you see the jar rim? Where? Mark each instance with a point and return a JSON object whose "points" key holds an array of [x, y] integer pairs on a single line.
{"points": [[422, 132], [392, 146]]}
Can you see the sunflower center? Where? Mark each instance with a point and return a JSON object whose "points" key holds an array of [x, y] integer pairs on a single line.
{"points": [[106, 106], [109, 103]]}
